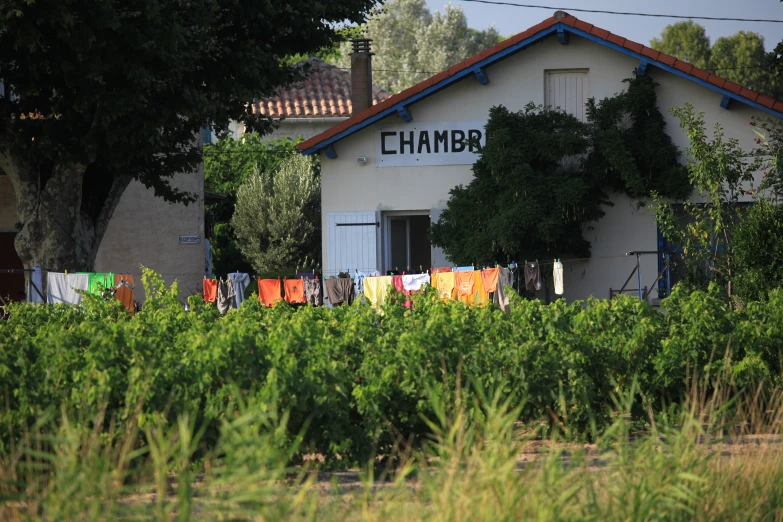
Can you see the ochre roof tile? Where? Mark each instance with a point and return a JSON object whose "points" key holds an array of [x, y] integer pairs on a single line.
{"points": [[341, 80], [324, 92]]}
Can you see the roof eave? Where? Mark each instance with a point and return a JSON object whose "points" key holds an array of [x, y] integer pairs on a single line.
{"points": [[513, 48]]}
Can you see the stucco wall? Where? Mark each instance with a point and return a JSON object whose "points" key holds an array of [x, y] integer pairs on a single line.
{"points": [[514, 82], [145, 231]]}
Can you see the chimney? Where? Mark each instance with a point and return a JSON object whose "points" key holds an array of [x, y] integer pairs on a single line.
{"points": [[361, 75]]}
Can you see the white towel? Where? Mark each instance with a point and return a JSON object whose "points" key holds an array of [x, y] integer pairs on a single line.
{"points": [[415, 281], [61, 288], [557, 273]]}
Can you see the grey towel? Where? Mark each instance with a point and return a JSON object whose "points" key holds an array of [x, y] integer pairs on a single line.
{"points": [[499, 297], [339, 290], [225, 296]]}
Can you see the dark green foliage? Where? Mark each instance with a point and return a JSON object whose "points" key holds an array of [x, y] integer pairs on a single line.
{"points": [[637, 157], [127, 86], [543, 176], [228, 163], [355, 381], [758, 251]]}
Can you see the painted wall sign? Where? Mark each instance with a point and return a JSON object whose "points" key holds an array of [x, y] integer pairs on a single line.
{"points": [[429, 143], [189, 240]]}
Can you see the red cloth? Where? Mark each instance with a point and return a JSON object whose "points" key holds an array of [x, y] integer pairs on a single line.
{"points": [[269, 292], [397, 282], [210, 290], [294, 291], [439, 270]]}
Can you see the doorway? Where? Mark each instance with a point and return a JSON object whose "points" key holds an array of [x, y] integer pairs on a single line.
{"points": [[408, 243], [11, 284]]}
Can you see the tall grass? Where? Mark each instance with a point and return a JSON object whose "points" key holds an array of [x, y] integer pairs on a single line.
{"points": [[718, 458]]}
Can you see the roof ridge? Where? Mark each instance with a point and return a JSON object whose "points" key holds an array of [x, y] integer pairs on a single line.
{"points": [[541, 30]]}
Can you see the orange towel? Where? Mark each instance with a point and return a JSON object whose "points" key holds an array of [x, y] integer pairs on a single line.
{"points": [[269, 292], [464, 283], [125, 294], [294, 291], [490, 279], [210, 290]]}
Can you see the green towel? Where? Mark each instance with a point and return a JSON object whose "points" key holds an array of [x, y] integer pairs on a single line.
{"points": [[100, 280]]}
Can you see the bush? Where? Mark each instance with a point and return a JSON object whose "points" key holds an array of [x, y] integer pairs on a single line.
{"points": [[355, 381], [758, 250]]}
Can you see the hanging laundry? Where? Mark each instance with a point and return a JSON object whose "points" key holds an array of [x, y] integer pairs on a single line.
{"points": [[400, 287], [225, 296], [240, 282], [444, 283], [376, 289], [100, 281], [35, 281], [479, 296], [414, 282], [489, 278], [210, 290], [464, 282], [358, 282], [464, 269], [557, 275], [294, 291], [499, 297], [340, 290], [313, 292], [124, 291], [62, 288], [269, 292], [532, 276]]}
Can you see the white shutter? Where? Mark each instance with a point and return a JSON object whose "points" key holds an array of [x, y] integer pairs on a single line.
{"points": [[568, 90], [352, 242]]}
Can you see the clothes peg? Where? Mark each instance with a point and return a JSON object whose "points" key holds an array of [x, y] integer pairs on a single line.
{"points": [[66, 273]]}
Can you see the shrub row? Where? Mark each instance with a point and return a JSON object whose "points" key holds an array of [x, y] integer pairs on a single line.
{"points": [[356, 379]]}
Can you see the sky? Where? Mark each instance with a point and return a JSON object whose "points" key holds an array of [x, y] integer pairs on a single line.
{"points": [[512, 20]]}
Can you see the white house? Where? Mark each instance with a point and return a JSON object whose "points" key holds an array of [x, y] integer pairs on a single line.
{"points": [[387, 171]]}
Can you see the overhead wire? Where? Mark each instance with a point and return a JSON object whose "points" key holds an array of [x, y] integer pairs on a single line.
{"points": [[627, 13]]}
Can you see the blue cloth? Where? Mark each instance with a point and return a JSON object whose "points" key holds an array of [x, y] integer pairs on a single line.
{"points": [[465, 269]]}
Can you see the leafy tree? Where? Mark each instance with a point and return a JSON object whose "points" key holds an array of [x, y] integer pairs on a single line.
{"points": [[740, 58], [277, 218], [228, 164], [543, 176], [632, 149], [97, 95], [403, 33], [687, 41], [720, 173], [758, 248]]}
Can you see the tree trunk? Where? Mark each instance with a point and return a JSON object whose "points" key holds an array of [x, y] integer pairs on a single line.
{"points": [[63, 219]]}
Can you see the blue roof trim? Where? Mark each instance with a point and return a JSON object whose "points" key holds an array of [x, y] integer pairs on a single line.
{"points": [[435, 88], [676, 71], [527, 42]]}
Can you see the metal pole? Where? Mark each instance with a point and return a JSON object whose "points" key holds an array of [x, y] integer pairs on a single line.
{"points": [[638, 276]]}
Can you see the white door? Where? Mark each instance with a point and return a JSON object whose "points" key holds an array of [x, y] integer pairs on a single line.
{"points": [[352, 242], [568, 90]]}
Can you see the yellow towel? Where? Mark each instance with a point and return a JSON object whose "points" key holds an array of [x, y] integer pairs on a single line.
{"points": [[376, 289]]}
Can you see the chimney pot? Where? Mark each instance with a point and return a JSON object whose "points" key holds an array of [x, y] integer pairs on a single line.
{"points": [[559, 14], [361, 75]]}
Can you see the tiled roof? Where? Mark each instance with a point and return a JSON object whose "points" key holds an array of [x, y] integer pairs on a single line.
{"points": [[560, 22], [325, 92]]}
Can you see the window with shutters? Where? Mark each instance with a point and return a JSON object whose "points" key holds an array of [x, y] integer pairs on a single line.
{"points": [[568, 90]]}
